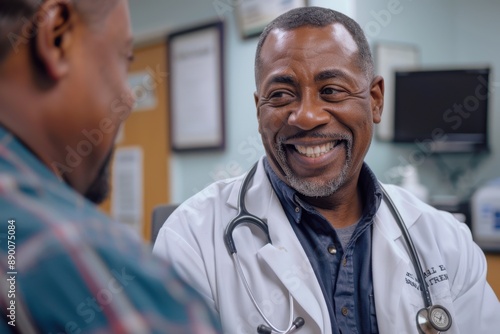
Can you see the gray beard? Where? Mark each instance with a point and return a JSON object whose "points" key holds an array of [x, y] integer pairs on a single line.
{"points": [[312, 188]]}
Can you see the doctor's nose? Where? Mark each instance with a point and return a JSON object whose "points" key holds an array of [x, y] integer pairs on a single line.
{"points": [[309, 114]]}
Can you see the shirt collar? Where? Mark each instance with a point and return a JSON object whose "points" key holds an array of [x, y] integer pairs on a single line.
{"points": [[18, 158], [371, 194]]}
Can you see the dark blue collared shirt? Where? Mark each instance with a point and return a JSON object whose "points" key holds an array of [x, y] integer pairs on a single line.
{"points": [[345, 275]]}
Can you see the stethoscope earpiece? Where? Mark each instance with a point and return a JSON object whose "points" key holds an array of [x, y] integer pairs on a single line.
{"points": [[263, 329], [297, 323]]}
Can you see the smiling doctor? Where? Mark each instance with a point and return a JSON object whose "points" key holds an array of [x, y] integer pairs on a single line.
{"points": [[319, 245]]}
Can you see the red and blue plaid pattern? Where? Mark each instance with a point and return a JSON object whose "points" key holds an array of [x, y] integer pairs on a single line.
{"points": [[76, 271]]}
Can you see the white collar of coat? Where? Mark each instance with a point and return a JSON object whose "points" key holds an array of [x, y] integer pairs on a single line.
{"points": [[261, 208], [410, 213]]}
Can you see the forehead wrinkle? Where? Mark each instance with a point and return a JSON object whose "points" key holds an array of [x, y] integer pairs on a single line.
{"points": [[286, 44]]}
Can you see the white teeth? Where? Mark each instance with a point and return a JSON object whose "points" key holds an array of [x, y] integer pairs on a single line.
{"points": [[315, 151]]}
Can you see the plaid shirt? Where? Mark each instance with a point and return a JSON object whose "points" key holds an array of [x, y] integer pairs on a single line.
{"points": [[66, 268]]}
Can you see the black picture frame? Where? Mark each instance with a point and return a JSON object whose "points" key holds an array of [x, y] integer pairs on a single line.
{"points": [[196, 88], [253, 15]]}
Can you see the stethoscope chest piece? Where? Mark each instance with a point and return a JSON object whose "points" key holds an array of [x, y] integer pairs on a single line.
{"points": [[433, 320]]}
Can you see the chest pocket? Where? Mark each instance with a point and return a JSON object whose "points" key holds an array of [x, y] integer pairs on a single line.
{"points": [[438, 286], [413, 292]]}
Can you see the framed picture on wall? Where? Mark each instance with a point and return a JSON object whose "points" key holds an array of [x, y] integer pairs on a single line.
{"points": [[196, 88], [254, 15]]}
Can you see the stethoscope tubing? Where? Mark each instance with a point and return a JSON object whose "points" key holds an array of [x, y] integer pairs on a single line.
{"points": [[244, 217], [249, 291], [426, 296]]}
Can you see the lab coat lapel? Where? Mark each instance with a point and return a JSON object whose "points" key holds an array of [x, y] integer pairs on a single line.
{"points": [[285, 257]]}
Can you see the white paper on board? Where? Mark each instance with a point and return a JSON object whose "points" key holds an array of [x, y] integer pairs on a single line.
{"points": [[127, 185]]}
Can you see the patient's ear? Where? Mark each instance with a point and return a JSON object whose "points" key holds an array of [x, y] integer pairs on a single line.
{"points": [[54, 37]]}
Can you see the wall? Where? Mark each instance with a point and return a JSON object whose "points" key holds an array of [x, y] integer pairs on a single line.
{"points": [[477, 27], [447, 32]]}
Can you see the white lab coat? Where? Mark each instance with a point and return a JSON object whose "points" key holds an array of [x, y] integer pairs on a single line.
{"points": [[193, 240]]}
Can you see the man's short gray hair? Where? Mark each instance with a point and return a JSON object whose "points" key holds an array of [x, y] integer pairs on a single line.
{"points": [[318, 17]]}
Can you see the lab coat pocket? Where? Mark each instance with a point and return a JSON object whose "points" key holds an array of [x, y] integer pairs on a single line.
{"points": [[413, 293]]}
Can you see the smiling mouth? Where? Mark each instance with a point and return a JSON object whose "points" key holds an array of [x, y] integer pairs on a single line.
{"points": [[316, 151]]}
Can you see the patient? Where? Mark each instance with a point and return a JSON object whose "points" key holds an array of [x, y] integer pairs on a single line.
{"points": [[64, 266]]}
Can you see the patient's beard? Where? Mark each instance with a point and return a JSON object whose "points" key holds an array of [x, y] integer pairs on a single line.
{"points": [[101, 187]]}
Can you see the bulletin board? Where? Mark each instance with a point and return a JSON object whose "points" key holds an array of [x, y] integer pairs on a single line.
{"points": [[143, 150]]}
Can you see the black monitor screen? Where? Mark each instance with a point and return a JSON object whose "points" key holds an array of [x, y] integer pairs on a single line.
{"points": [[447, 108]]}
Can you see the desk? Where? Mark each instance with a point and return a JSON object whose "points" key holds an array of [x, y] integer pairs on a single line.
{"points": [[494, 272]]}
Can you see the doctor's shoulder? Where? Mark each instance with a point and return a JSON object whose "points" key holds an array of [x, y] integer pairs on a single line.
{"points": [[202, 207], [437, 232], [191, 239], [444, 244], [429, 223], [203, 217], [406, 199]]}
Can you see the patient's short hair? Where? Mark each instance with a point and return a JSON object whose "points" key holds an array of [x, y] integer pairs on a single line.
{"points": [[16, 17]]}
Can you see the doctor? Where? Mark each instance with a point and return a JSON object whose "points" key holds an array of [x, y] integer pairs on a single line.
{"points": [[335, 260]]}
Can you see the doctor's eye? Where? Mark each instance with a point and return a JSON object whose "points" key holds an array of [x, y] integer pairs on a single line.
{"points": [[279, 98], [278, 95], [329, 90], [332, 94]]}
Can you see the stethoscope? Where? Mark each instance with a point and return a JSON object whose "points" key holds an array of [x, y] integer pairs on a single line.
{"points": [[432, 319]]}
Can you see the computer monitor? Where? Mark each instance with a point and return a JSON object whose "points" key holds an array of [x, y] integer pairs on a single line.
{"points": [[446, 109]]}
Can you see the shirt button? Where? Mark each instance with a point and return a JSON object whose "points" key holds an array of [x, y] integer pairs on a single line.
{"points": [[345, 311], [297, 209], [332, 250]]}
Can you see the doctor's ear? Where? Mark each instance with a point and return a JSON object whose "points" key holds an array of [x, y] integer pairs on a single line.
{"points": [[53, 39], [256, 99], [377, 98]]}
